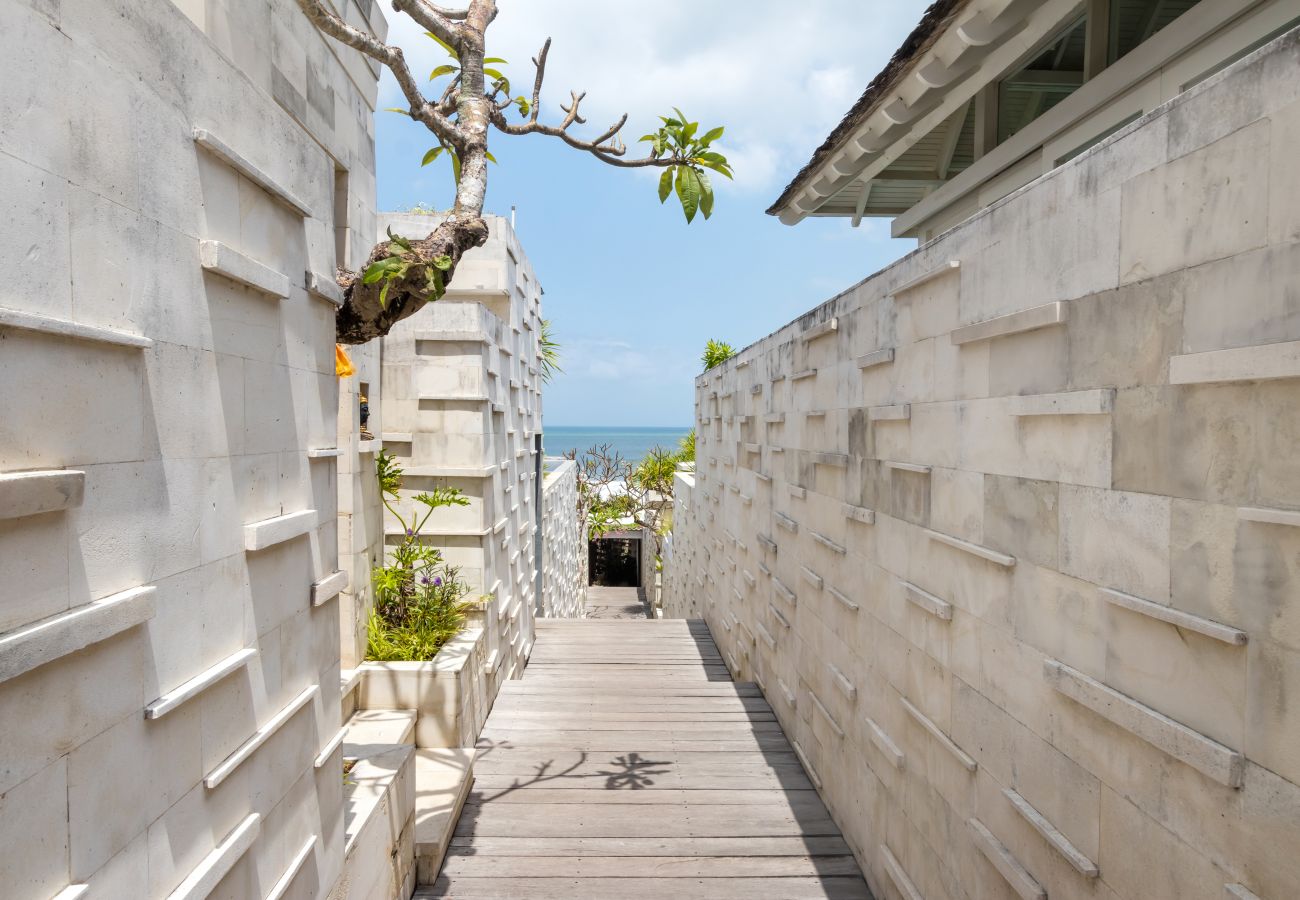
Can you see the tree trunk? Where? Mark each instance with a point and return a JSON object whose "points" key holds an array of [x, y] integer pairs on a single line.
{"points": [[362, 318]]}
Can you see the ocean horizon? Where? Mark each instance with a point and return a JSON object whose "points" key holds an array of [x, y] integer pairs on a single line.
{"points": [[633, 441]]}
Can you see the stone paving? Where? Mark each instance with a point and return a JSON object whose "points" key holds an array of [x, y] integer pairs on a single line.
{"points": [[616, 603]]}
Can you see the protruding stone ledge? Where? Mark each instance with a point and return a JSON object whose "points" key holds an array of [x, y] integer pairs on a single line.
{"points": [[799, 493], [451, 471], [1015, 323], [1234, 892], [73, 892], [766, 479], [876, 358], [223, 260], [826, 715], [38, 643], [26, 321], [766, 572], [828, 543], [843, 682], [830, 326], [398, 437], [907, 467], [858, 513], [1269, 516], [323, 287], [784, 592], [787, 693], [254, 173], [936, 732], [325, 453], [776, 614], [461, 398], [765, 635], [282, 885], [755, 389], [1264, 362], [1202, 753], [328, 750], [33, 493], [217, 865], [811, 577], [1082, 864], [923, 599], [838, 460], [746, 499], [749, 578], [372, 446], [457, 336], [329, 587], [803, 761], [1072, 403], [1015, 874], [742, 363], [259, 737], [948, 268], [992, 556], [199, 683], [899, 413], [742, 627], [843, 599], [269, 532], [806, 373], [774, 418], [786, 522], [1176, 617], [885, 744], [896, 873], [753, 448]]}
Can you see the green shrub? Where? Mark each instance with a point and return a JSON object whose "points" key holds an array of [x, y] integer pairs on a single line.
{"points": [[419, 600]]}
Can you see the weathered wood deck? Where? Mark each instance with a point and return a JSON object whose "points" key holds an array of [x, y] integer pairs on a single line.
{"points": [[626, 765]]}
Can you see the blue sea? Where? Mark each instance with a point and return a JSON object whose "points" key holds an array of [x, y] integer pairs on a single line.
{"points": [[632, 442]]}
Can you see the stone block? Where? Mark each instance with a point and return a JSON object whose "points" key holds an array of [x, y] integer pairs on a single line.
{"points": [[1116, 539], [1283, 217], [1269, 312], [1195, 442], [957, 502], [34, 828], [1217, 197], [1139, 858], [1272, 716], [1021, 516]]}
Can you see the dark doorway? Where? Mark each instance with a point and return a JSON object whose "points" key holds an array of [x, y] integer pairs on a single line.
{"points": [[615, 561]]}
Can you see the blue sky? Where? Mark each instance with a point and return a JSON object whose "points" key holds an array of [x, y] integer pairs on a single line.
{"points": [[633, 291]]}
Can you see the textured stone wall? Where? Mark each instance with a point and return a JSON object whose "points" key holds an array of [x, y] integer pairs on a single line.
{"points": [[1009, 533], [564, 591], [462, 408], [169, 648]]}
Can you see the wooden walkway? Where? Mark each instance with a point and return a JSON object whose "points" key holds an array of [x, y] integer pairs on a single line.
{"points": [[626, 765], [615, 603]]}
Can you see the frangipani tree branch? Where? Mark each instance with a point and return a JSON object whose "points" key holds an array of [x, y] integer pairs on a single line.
{"points": [[421, 109]]}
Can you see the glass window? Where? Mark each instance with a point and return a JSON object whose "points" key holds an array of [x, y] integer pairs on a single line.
{"points": [[1054, 73], [1133, 21]]}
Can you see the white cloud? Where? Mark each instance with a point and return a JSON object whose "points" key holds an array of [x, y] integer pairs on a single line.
{"points": [[778, 79]]}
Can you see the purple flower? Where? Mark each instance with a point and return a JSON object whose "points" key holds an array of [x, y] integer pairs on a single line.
{"points": [[437, 582], [410, 533], [424, 579]]}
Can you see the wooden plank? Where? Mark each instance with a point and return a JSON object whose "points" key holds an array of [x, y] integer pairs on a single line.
{"points": [[474, 865], [835, 888], [793, 799], [658, 820], [548, 845]]}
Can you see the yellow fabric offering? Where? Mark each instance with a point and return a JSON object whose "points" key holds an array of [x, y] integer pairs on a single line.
{"points": [[342, 364]]}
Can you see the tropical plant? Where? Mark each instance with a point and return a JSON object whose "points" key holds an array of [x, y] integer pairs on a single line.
{"points": [[716, 353], [686, 447], [550, 350], [476, 97], [419, 601], [615, 493]]}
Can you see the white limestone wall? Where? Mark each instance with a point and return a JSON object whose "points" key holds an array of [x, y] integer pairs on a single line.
{"points": [[462, 408], [167, 678], [564, 592], [1009, 532]]}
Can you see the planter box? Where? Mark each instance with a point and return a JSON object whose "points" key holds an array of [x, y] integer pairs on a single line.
{"points": [[379, 828], [449, 693]]}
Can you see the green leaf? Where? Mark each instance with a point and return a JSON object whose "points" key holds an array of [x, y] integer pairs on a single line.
{"points": [[488, 155], [712, 135], [496, 59], [398, 110], [398, 240], [446, 46], [668, 121], [429, 157], [442, 262], [383, 294], [372, 274], [719, 165], [455, 167], [706, 193], [666, 184], [688, 191], [647, 137], [523, 104], [442, 70], [689, 132]]}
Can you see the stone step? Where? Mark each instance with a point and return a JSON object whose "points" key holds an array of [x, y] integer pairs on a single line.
{"points": [[443, 777], [372, 731]]}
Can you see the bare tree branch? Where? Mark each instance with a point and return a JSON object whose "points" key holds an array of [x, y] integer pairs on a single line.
{"points": [[421, 109]]}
